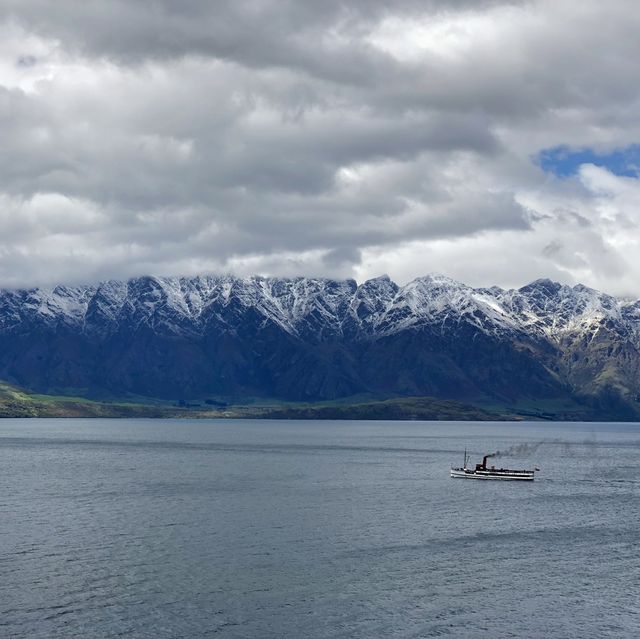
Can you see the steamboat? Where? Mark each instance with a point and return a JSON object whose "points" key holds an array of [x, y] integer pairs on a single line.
{"points": [[482, 472]]}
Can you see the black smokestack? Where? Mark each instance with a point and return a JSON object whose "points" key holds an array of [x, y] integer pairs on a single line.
{"points": [[484, 462]]}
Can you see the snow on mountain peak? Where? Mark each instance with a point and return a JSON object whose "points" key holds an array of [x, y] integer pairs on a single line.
{"points": [[319, 308]]}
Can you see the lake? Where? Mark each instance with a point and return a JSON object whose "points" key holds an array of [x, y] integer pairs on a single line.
{"points": [[274, 529]]}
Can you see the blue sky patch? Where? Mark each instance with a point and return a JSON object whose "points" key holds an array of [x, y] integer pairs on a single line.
{"points": [[564, 161]]}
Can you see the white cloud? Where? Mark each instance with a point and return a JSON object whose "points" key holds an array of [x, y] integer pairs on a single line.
{"points": [[591, 238], [318, 138]]}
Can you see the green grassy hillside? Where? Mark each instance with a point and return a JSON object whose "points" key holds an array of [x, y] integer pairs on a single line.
{"points": [[17, 402]]}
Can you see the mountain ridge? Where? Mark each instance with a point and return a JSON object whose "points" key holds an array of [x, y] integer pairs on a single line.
{"points": [[315, 339], [287, 299]]}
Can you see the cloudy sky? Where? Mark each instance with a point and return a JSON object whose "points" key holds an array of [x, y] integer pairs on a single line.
{"points": [[494, 142]]}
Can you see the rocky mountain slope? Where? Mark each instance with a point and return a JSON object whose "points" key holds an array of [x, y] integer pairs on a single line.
{"points": [[316, 339]]}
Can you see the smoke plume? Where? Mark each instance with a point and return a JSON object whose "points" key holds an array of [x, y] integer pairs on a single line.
{"points": [[521, 449]]}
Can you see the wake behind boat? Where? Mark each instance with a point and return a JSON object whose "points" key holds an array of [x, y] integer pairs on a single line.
{"points": [[482, 472]]}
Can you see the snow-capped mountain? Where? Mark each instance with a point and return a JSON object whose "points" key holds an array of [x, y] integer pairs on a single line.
{"points": [[319, 338], [317, 307]]}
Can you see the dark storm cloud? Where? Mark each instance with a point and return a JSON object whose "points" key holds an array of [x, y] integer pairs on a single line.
{"points": [[331, 137], [258, 33]]}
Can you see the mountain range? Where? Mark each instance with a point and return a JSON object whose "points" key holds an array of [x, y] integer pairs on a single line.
{"points": [[547, 348]]}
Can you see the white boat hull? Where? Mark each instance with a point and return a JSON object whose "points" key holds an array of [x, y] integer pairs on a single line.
{"points": [[487, 474]]}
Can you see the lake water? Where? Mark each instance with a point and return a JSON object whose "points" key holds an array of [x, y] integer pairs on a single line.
{"points": [[232, 529]]}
